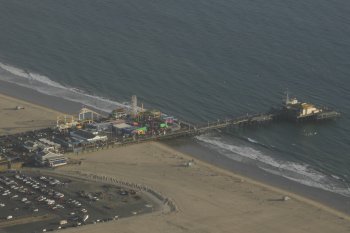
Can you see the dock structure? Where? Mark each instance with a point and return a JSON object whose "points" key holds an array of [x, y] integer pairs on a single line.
{"points": [[327, 115], [89, 131], [188, 129], [239, 121], [291, 110]]}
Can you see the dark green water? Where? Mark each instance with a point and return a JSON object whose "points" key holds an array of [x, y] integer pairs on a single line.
{"points": [[199, 60]]}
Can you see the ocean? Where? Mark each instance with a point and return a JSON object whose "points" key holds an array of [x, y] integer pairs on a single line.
{"points": [[200, 61]]}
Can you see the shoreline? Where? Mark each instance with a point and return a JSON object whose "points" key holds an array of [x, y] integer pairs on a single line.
{"points": [[14, 99], [209, 199], [332, 200], [262, 178], [246, 178], [30, 116], [31, 96], [61, 105], [268, 186]]}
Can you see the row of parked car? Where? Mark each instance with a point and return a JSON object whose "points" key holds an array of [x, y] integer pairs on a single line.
{"points": [[41, 191]]}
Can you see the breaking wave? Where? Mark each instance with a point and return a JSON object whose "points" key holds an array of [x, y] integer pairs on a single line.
{"points": [[252, 140], [298, 172], [47, 86]]}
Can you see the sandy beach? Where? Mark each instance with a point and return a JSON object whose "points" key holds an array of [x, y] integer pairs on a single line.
{"points": [[208, 199], [30, 118]]}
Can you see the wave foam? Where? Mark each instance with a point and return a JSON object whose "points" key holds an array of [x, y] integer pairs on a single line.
{"points": [[297, 172], [30, 76], [252, 140], [47, 86]]}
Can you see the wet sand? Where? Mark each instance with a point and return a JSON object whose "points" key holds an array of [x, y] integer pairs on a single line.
{"points": [[32, 96], [43, 100], [193, 148]]}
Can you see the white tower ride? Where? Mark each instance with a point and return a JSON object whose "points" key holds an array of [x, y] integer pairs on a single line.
{"points": [[134, 105]]}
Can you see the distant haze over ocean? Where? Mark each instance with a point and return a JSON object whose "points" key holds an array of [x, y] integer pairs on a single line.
{"points": [[199, 60]]}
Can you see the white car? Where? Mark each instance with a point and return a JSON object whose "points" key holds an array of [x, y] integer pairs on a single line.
{"points": [[9, 217]]}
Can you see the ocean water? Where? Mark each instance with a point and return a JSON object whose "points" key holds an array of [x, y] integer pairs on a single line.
{"points": [[199, 60]]}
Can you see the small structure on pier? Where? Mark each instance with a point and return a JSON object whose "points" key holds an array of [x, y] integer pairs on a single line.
{"points": [[300, 111]]}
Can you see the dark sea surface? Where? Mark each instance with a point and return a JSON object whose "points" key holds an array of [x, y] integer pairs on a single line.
{"points": [[198, 60]]}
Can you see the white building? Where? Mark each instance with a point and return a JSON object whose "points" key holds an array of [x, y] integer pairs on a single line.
{"points": [[51, 159]]}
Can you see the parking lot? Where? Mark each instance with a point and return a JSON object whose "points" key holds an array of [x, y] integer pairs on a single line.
{"points": [[35, 202]]}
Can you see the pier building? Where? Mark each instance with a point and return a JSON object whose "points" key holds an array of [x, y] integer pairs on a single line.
{"points": [[301, 111]]}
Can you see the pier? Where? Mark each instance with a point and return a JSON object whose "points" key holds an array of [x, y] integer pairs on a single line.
{"points": [[188, 129], [239, 121], [90, 131]]}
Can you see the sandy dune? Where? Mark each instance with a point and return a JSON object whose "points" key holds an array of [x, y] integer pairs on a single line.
{"points": [[208, 199]]}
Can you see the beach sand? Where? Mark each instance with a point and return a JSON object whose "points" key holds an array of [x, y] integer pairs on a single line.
{"points": [[208, 199], [30, 118]]}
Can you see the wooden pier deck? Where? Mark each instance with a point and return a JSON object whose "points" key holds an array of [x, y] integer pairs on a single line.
{"points": [[239, 121], [189, 130]]}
